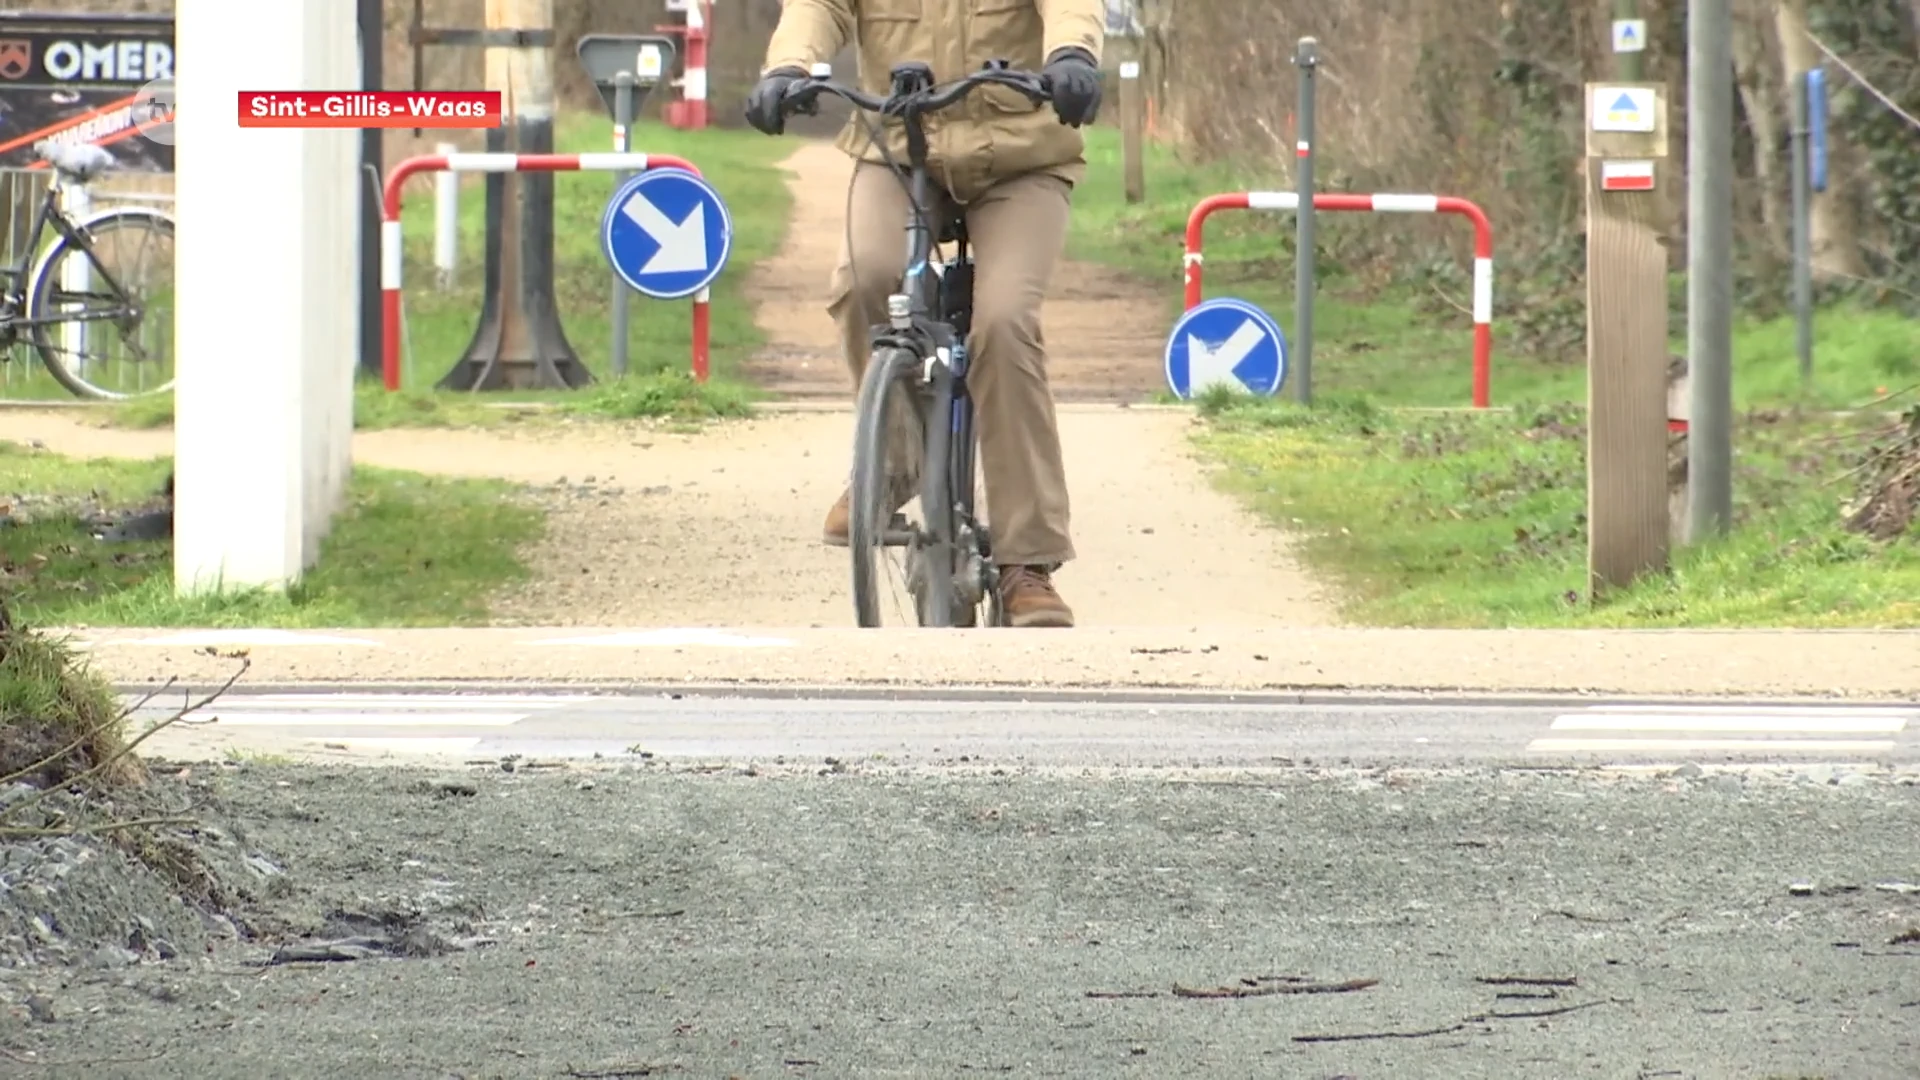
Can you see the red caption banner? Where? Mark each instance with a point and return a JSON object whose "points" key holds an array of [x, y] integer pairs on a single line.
{"points": [[370, 109]]}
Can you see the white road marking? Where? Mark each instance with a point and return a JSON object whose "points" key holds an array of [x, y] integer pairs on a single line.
{"points": [[1758, 746], [359, 719], [337, 718], [1751, 710], [1742, 721], [1690, 722], [400, 745], [412, 701]]}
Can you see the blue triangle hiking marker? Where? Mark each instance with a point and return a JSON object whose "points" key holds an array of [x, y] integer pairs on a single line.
{"points": [[1625, 104], [1627, 34]]}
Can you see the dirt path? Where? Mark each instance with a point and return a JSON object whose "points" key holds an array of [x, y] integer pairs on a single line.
{"points": [[721, 528], [1105, 330]]}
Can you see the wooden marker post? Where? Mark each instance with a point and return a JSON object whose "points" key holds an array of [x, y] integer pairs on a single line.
{"points": [[1627, 522], [1133, 126]]}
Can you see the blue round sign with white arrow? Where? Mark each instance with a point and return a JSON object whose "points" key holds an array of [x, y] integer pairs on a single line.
{"points": [[667, 233], [1226, 342]]}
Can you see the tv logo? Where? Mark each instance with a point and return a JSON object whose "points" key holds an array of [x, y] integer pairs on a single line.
{"points": [[153, 111]]}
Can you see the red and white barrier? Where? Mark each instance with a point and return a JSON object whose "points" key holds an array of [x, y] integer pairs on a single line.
{"points": [[690, 112], [1378, 204], [390, 250]]}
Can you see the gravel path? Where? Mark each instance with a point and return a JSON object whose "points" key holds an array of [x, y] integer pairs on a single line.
{"points": [[844, 920], [722, 527]]}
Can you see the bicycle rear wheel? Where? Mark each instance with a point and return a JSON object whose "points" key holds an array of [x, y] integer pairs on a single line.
{"points": [[102, 313]]}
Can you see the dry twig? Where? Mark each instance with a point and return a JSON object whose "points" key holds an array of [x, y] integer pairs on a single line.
{"points": [[100, 767], [1267, 989], [1359, 1036]]}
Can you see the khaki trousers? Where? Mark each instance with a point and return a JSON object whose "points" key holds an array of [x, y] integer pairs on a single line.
{"points": [[1017, 230]]}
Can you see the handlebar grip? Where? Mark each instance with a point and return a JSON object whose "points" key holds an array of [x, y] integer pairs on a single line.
{"points": [[803, 96]]}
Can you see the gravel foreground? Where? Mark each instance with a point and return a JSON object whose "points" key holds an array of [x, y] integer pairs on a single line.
{"points": [[842, 921]]}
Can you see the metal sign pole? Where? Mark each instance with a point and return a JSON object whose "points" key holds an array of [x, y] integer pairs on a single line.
{"points": [[1305, 57], [622, 143], [1802, 243]]}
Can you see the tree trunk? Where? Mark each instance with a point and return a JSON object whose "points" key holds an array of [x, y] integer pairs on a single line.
{"points": [[1758, 79], [1836, 244]]}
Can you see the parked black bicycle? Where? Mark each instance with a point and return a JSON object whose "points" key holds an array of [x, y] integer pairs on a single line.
{"points": [[913, 398], [96, 303]]}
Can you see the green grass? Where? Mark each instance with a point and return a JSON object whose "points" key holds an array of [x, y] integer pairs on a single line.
{"points": [[440, 324], [666, 394], [1478, 520], [1388, 341], [408, 550]]}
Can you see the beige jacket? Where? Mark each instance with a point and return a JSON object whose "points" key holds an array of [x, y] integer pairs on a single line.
{"points": [[996, 132]]}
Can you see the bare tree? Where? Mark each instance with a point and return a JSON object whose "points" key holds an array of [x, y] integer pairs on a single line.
{"points": [[1757, 71]]}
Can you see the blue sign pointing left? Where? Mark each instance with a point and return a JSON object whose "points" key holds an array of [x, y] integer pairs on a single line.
{"points": [[667, 233]]}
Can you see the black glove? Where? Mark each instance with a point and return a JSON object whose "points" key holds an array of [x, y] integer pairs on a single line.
{"points": [[764, 109], [1076, 86]]}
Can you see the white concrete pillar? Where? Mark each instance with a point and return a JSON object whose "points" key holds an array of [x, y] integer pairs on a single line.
{"points": [[266, 312]]}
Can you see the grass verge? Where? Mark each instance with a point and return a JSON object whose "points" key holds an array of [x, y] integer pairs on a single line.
{"points": [[57, 719], [744, 166], [407, 550], [657, 395], [1466, 520], [1402, 346]]}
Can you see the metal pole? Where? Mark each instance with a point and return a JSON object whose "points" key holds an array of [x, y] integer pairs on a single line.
{"points": [[622, 143], [372, 18], [1802, 233], [446, 222], [1626, 62], [1710, 267], [1306, 57]]}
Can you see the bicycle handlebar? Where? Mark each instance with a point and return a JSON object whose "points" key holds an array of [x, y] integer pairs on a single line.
{"points": [[802, 94]]}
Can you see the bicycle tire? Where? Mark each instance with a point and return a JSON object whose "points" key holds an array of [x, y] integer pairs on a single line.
{"points": [[870, 501], [39, 292]]}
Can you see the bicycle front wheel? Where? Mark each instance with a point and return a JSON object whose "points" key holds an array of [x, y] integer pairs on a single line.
{"points": [[888, 444], [101, 312]]}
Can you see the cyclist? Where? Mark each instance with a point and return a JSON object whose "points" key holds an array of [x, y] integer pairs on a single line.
{"points": [[1012, 168]]}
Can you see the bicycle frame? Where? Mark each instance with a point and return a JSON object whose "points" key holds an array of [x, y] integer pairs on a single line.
{"points": [[50, 214]]}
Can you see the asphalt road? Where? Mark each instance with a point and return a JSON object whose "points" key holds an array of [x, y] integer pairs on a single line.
{"points": [[1059, 731], [1080, 886], [633, 920]]}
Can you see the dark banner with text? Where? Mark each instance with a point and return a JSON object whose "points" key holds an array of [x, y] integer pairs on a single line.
{"points": [[86, 78]]}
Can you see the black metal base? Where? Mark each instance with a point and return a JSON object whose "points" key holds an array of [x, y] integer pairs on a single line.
{"points": [[519, 344]]}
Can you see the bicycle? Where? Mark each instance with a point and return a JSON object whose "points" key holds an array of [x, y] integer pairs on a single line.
{"points": [[68, 292], [918, 369]]}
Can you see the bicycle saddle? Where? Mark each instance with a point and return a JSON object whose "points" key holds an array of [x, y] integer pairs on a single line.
{"points": [[79, 162]]}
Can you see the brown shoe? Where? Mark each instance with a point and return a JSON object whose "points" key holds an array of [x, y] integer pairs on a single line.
{"points": [[839, 522], [1029, 600]]}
